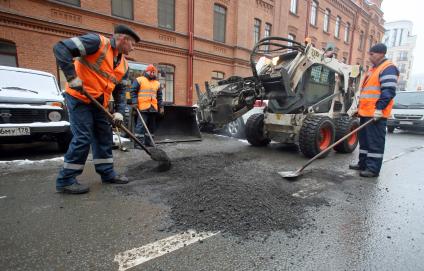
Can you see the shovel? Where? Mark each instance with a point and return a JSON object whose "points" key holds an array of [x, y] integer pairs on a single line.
{"points": [[297, 173], [154, 153], [145, 127]]}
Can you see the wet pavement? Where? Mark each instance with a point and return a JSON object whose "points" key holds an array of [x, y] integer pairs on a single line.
{"points": [[329, 219]]}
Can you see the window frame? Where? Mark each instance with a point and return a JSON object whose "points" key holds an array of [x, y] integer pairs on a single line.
{"points": [[215, 12], [217, 78], [347, 32], [337, 27], [15, 54], [173, 19], [159, 66], [293, 7], [327, 17], [121, 16], [69, 2], [256, 27], [313, 18]]}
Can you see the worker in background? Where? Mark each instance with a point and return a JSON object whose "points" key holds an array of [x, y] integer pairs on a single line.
{"points": [[146, 94], [98, 65], [375, 101]]}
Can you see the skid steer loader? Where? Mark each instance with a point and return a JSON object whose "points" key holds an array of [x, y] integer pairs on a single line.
{"points": [[312, 98]]}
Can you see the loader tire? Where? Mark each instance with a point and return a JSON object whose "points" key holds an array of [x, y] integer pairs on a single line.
{"points": [[316, 134], [345, 125], [255, 131]]}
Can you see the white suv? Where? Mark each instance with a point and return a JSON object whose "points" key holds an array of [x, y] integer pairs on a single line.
{"points": [[32, 108]]}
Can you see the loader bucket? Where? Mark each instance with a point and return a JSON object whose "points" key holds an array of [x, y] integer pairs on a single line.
{"points": [[178, 124]]}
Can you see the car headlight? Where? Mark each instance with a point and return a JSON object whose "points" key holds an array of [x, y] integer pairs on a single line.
{"points": [[55, 116]]}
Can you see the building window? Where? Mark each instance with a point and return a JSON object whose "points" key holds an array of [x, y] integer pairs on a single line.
{"points": [[347, 33], [401, 37], [219, 23], [394, 37], [72, 2], [166, 79], [256, 30], [337, 28], [8, 55], [327, 15], [314, 12], [166, 14], [403, 56], [371, 42], [123, 8], [293, 6], [267, 33], [216, 76], [361, 40], [291, 37]]}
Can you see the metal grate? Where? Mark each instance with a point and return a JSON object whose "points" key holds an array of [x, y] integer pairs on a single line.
{"points": [[19, 115], [408, 117]]}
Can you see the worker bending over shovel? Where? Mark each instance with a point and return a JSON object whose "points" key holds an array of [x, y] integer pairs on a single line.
{"points": [[95, 65], [146, 96]]}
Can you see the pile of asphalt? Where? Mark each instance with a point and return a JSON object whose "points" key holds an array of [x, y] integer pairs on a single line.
{"points": [[229, 193]]}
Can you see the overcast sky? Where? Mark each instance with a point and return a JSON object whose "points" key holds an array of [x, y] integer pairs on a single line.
{"points": [[395, 10]]}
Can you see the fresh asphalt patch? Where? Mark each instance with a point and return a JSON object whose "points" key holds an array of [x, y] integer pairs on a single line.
{"points": [[230, 193]]}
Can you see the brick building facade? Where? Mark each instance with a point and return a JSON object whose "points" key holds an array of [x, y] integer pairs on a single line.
{"points": [[194, 41]]}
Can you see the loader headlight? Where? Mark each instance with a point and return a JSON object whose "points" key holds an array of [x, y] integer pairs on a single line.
{"points": [[55, 116]]}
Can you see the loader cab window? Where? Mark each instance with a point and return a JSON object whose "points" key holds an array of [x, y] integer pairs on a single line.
{"points": [[319, 83]]}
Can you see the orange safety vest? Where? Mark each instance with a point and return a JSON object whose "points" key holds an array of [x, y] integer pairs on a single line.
{"points": [[371, 91], [97, 73], [147, 94]]}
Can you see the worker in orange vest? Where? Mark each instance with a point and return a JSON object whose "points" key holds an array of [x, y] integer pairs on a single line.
{"points": [[375, 101], [146, 94], [97, 64]]}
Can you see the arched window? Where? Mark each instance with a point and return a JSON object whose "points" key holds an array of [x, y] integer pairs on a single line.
{"points": [[166, 79], [8, 56]]}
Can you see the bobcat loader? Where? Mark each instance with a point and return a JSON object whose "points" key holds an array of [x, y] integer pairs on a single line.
{"points": [[312, 97]]}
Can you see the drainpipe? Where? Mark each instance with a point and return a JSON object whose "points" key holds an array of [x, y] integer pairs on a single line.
{"points": [[308, 16], [352, 39], [189, 100]]}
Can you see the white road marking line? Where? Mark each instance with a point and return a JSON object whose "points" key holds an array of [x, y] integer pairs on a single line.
{"points": [[403, 153], [137, 256], [3, 197]]}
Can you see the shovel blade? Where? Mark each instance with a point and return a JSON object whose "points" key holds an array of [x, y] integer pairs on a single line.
{"points": [[290, 174], [161, 157]]}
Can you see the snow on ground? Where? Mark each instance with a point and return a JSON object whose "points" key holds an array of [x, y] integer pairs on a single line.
{"points": [[30, 162]]}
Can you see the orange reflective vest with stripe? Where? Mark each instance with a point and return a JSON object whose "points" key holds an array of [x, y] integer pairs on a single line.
{"points": [[147, 93], [371, 91], [97, 73]]}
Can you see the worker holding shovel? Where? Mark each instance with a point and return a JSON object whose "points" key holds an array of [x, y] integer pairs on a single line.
{"points": [[95, 68], [146, 94]]}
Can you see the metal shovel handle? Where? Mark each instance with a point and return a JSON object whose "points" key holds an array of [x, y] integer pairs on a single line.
{"points": [[145, 127], [334, 144], [110, 116]]}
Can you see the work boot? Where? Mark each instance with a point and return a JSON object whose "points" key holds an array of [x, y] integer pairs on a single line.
{"points": [[117, 180], [368, 174], [75, 188], [355, 167]]}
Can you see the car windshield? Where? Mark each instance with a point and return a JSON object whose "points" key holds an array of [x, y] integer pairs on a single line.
{"points": [[26, 84], [409, 100]]}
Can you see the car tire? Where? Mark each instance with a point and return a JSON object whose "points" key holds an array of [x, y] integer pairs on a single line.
{"points": [[345, 125], [316, 134], [63, 141], [235, 128], [255, 131], [390, 129]]}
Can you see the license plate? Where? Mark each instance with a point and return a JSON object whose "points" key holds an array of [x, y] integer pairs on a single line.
{"points": [[406, 123], [15, 131]]}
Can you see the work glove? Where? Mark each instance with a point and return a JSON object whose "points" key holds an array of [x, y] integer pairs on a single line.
{"points": [[118, 119], [76, 84], [378, 114]]}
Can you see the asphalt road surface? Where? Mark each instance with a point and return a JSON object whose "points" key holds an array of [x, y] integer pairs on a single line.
{"points": [[222, 206]]}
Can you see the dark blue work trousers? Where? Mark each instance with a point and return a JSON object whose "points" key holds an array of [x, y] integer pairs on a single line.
{"points": [[90, 127], [371, 144], [140, 132]]}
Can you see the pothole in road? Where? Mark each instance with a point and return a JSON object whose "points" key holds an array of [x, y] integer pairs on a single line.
{"points": [[230, 193]]}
